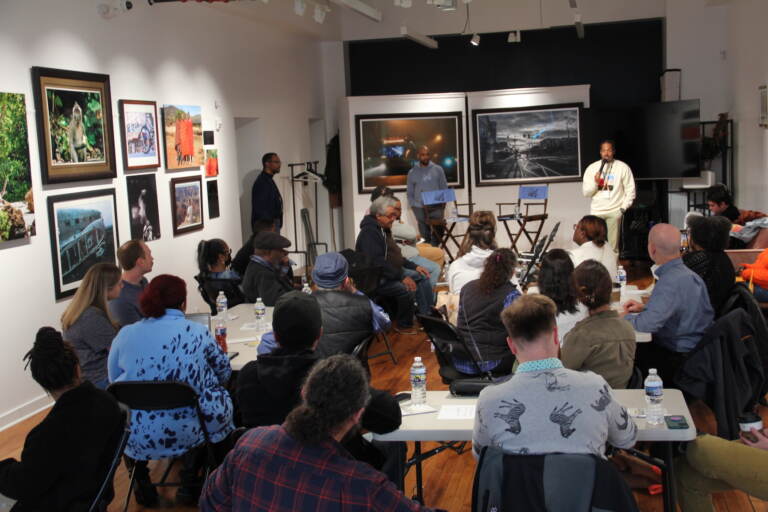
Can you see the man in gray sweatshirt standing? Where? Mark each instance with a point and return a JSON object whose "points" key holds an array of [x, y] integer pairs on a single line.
{"points": [[545, 408]]}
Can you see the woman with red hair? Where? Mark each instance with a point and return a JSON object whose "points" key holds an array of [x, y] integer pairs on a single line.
{"points": [[165, 346]]}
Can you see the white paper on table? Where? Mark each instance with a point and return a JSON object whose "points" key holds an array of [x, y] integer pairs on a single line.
{"points": [[250, 326], [408, 409], [456, 412]]}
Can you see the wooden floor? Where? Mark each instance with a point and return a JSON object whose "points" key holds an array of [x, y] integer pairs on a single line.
{"points": [[448, 476]]}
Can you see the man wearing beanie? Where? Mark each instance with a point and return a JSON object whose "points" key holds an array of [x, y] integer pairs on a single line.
{"points": [[349, 317], [269, 387]]}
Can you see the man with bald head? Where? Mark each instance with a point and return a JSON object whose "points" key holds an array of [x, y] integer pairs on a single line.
{"points": [[426, 176], [678, 312]]}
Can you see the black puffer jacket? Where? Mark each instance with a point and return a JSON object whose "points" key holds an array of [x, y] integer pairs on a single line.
{"points": [[347, 321]]}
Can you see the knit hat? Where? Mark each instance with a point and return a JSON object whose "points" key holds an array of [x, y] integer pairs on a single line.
{"points": [[331, 269], [296, 319]]}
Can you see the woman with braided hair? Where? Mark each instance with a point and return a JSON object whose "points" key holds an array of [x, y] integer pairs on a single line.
{"points": [[66, 457], [479, 242], [603, 342]]}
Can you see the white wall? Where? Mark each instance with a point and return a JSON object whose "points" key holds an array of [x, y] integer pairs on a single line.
{"points": [[566, 202], [748, 50], [182, 53], [492, 16]]}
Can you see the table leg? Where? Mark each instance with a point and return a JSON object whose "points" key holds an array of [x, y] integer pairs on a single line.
{"points": [[670, 500], [419, 483]]}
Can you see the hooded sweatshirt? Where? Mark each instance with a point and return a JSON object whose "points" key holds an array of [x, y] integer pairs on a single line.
{"points": [[270, 387], [467, 268], [378, 244]]}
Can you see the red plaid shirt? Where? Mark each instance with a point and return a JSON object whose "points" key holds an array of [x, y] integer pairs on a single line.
{"points": [[269, 470]]}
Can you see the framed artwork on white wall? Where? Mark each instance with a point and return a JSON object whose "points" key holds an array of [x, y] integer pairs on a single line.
{"points": [[138, 126]]}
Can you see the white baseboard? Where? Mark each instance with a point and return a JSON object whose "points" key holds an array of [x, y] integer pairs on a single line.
{"points": [[24, 411]]}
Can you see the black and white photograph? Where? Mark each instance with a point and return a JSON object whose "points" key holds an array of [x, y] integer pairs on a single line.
{"points": [[539, 144], [213, 199], [83, 233], [388, 144], [142, 205]]}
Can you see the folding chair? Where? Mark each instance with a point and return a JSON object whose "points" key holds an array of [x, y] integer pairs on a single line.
{"points": [[102, 498], [530, 196], [442, 228], [156, 396]]}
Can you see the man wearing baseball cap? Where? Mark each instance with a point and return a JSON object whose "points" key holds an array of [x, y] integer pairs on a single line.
{"points": [[263, 277]]}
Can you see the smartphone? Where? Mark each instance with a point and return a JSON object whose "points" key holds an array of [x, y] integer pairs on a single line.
{"points": [[402, 397], [676, 422]]}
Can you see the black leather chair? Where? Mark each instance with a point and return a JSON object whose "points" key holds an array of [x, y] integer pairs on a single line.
{"points": [[157, 396], [209, 289]]}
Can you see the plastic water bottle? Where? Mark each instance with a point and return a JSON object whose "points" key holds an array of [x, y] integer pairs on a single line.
{"points": [[221, 332], [654, 396], [621, 277], [259, 312], [221, 304], [418, 382], [305, 286]]}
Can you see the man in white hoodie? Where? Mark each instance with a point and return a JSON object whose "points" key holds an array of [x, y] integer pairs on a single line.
{"points": [[610, 184]]}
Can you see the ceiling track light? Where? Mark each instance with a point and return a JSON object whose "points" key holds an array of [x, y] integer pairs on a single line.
{"points": [[579, 26], [475, 41], [418, 38]]}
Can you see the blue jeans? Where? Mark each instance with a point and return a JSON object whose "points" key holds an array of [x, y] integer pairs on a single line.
{"points": [[425, 298], [761, 294], [424, 229], [431, 266]]}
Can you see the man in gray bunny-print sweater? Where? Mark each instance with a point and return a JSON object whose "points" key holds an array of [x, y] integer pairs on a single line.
{"points": [[545, 408]]}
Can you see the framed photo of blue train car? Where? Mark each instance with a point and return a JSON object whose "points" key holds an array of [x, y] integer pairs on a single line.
{"points": [[83, 232], [138, 127]]}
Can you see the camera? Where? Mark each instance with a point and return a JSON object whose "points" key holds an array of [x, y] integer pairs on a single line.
{"points": [[126, 5]]}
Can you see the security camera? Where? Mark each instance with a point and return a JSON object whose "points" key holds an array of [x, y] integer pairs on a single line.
{"points": [[126, 5]]}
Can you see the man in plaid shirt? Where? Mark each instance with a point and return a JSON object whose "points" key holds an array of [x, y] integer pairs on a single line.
{"points": [[301, 465]]}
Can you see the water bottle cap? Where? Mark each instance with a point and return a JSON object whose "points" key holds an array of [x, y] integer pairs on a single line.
{"points": [[258, 299], [417, 359], [652, 371]]}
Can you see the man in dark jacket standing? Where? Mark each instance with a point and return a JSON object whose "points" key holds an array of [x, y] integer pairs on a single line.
{"points": [[270, 387], [375, 240], [264, 278], [266, 201]]}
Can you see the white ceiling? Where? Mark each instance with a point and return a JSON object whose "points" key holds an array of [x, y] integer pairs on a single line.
{"points": [[485, 16]]}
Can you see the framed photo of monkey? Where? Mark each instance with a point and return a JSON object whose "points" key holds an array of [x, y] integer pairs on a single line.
{"points": [[74, 125]]}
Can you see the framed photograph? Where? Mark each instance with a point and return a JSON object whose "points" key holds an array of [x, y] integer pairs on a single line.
{"points": [[527, 145], [74, 125], [213, 199], [138, 127], [17, 206], [763, 106], [83, 232], [142, 207], [187, 204], [183, 131], [211, 163], [387, 147]]}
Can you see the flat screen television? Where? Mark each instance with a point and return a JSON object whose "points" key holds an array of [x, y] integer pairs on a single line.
{"points": [[657, 140]]}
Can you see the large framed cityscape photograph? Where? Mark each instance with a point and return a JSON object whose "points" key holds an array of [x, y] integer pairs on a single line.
{"points": [[387, 147], [527, 145]]}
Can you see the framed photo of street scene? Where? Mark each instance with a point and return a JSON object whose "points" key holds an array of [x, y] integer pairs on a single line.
{"points": [[388, 144], [527, 145], [17, 206], [138, 127], [74, 125], [83, 232], [187, 204]]}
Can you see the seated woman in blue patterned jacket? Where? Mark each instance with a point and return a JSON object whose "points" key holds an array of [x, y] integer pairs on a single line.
{"points": [[165, 346]]}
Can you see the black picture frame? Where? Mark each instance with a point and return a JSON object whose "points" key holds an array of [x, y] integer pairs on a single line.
{"points": [[83, 141], [527, 141], [212, 187], [190, 216], [80, 235], [143, 209], [398, 182], [146, 139]]}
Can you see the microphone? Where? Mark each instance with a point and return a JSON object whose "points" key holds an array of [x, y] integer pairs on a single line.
{"points": [[600, 183]]}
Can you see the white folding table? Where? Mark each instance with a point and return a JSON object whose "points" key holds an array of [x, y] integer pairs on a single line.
{"points": [[427, 427], [242, 335]]}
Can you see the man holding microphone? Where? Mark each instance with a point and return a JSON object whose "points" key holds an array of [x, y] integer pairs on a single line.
{"points": [[610, 184]]}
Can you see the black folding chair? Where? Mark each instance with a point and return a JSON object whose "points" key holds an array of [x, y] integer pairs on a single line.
{"points": [[156, 396], [101, 500]]}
